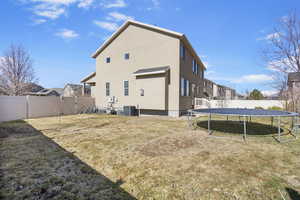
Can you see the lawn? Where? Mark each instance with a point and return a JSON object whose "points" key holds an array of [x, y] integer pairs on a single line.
{"points": [[117, 157]]}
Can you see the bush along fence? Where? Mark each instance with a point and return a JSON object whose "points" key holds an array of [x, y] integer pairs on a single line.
{"points": [[24, 107]]}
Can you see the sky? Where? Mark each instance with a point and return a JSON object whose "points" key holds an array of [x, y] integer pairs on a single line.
{"points": [[228, 35]]}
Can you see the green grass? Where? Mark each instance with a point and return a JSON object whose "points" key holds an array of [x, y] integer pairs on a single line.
{"points": [[116, 157]]}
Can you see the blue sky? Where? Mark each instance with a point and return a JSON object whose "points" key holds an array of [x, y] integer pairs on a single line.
{"points": [[227, 34]]}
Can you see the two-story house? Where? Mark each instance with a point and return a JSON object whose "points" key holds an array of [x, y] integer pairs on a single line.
{"points": [[146, 66]]}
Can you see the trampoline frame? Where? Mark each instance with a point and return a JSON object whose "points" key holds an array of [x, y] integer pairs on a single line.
{"points": [[294, 116]]}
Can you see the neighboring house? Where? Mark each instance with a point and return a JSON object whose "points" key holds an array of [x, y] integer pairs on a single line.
{"points": [[229, 93], [294, 90], [208, 90], [89, 85], [294, 81], [47, 92], [73, 90], [150, 67]]}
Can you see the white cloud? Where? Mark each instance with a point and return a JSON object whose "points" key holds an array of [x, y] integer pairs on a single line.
{"points": [[48, 11], [65, 2], [253, 78], [209, 72], [85, 3], [67, 34], [115, 4], [110, 26], [269, 92], [53, 9], [155, 5], [116, 16], [270, 36], [39, 21]]}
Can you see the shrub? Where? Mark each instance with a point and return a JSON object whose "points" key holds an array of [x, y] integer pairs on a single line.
{"points": [[274, 108], [259, 108]]}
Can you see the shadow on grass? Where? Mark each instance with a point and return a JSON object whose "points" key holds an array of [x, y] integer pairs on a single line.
{"points": [[236, 127], [32, 166], [293, 194]]}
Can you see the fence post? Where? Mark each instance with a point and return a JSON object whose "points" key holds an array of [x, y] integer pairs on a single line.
{"points": [[27, 107]]}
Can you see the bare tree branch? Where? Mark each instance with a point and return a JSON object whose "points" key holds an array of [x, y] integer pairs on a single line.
{"points": [[16, 71]]}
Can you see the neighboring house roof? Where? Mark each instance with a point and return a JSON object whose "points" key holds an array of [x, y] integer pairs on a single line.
{"points": [[294, 77], [74, 87], [180, 36], [32, 87], [60, 91], [149, 71], [44, 92], [87, 78]]}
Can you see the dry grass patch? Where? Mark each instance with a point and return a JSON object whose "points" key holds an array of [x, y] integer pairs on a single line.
{"points": [[145, 158]]}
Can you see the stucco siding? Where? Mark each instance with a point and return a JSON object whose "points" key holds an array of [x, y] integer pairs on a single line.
{"points": [[147, 49]]}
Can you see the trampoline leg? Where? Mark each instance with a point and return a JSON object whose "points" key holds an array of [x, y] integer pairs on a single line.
{"points": [[245, 128], [279, 129], [208, 125]]}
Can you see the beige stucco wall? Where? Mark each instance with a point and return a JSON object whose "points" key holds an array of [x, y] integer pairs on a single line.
{"points": [[146, 83], [147, 49], [186, 72]]}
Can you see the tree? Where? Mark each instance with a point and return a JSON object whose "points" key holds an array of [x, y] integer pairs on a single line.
{"points": [[283, 50], [256, 95], [16, 71], [283, 56]]}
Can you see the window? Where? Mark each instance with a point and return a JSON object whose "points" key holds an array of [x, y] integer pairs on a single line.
{"points": [[185, 87], [202, 73], [195, 67], [126, 56], [182, 52], [108, 60], [182, 86], [126, 88], [142, 92], [107, 87]]}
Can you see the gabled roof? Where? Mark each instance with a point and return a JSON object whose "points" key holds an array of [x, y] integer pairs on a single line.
{"points": [[170, 33], [153, 70], [88, 77]]}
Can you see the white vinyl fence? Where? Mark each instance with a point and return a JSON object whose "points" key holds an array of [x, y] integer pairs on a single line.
{"points": [[24, 107], [204, 103]]}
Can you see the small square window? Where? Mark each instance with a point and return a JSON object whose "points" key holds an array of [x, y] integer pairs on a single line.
{"points": [[126, 56], [108, 60]]}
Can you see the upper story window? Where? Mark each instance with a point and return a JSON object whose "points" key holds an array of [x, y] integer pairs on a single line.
{"points": [[108, 60], [126, 88], [185, 87], [126, 56], [202, 73], [107, 88], [182, 52], [195, 67]]}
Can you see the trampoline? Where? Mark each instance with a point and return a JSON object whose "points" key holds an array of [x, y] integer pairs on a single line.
{"points": [[246, 114]]}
